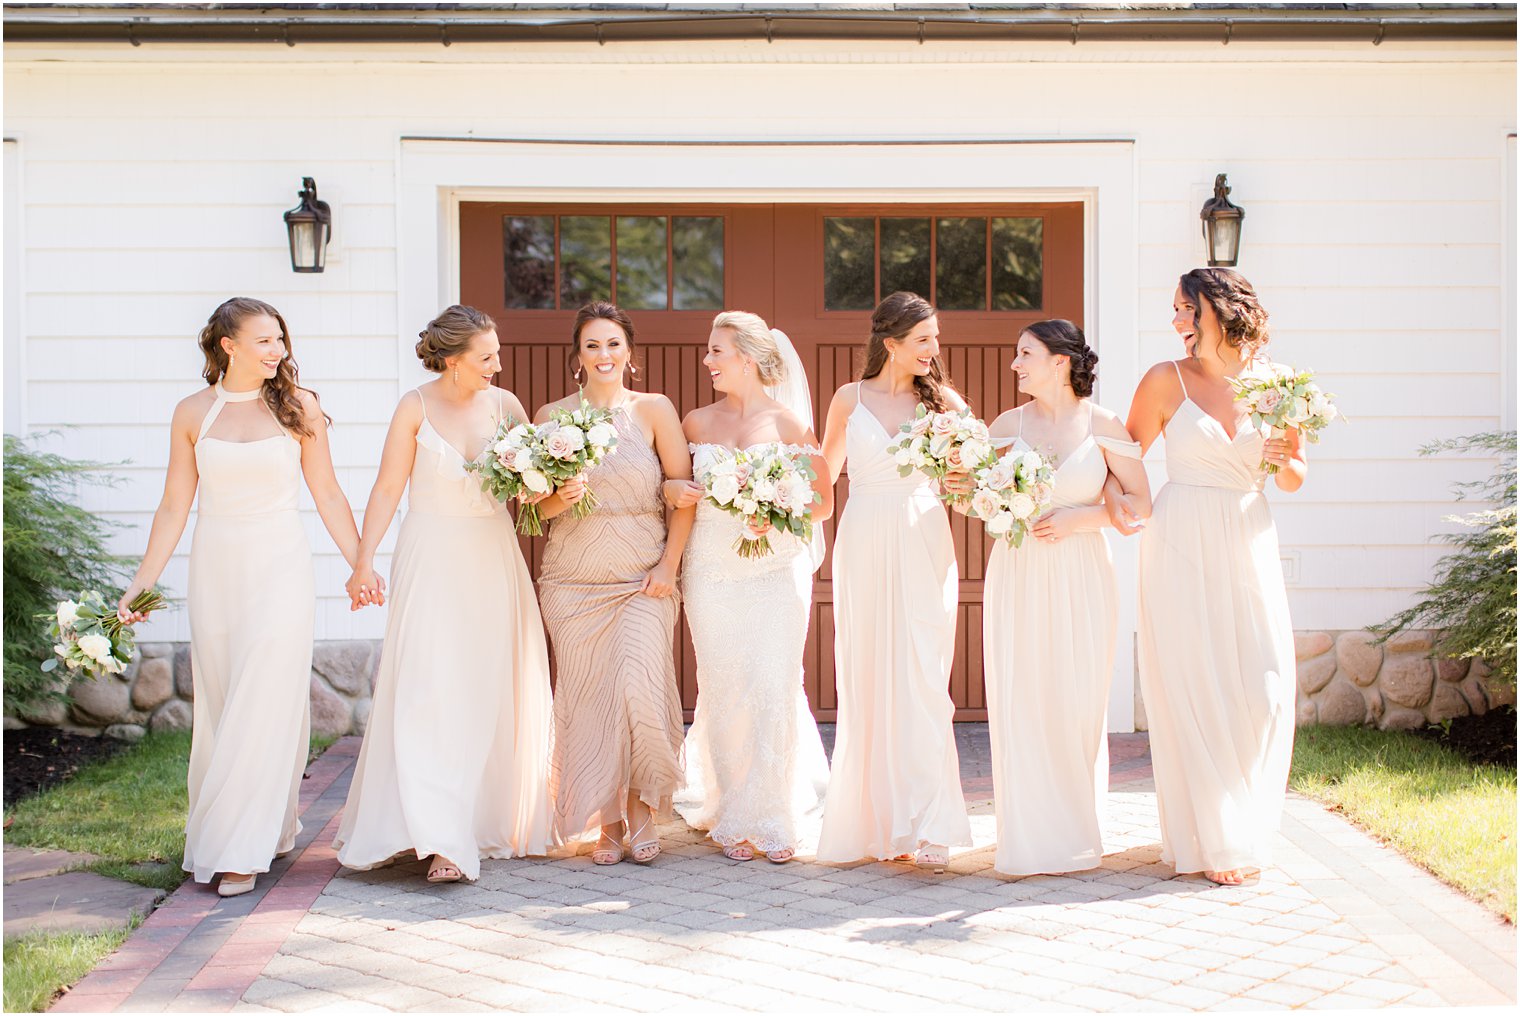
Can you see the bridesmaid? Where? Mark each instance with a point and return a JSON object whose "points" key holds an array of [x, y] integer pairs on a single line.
{"points": [[754, 761], [245, 441], [1051, 613], [455, 759], [895, 791], [1216, 643], [608, 589]]}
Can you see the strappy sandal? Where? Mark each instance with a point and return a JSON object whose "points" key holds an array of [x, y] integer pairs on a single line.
{"points": [[780, 856], [739, 852], [642, 845], [610, 854], [932, 857], [443, 870]]}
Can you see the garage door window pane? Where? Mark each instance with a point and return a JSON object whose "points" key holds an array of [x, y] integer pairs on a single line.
{"points": [[961, 264], [585, 252], [528, 246], [696, 246], [849, 264], [1018, 268], [641, 262], [905, 256]]}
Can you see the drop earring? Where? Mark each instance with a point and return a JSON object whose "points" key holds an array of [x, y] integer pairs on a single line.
{"points": [[456, 374], [579, 376]]}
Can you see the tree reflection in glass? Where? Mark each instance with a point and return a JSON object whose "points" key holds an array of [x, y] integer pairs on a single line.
{"points": [[905, 256], [528, 248], [961, 264], [641, 262], [1018, 268], [585, 253], [849, 272], [696, 246]]}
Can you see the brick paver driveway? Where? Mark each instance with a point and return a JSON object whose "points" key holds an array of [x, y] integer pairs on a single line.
{"points": [[1341, 923]]}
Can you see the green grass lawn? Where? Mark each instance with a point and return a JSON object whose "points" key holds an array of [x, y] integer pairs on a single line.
{"points": [[37, 966], [1449, 815], [129, 810]]}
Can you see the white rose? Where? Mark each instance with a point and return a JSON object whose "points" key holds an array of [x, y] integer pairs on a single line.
{"points": [[61, 650], [747, 505], [1021, 505], [724, 488], [985, 503], [1000, 523], [602, 435], [518, 435], [943, 423], [1298, 411], [1001, 476], [724, 467], [921, 458], [1031, 461], [560, 445], [68, 610], [535, 481], [978, 430], [799, 494], [502, 447], [974, 451], [939, 445], [764, 489], [96, 647]]}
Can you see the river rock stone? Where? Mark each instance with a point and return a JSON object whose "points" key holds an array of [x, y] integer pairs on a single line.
{"points": [[1472, 691], [184, 678], [1315, 673], [1311, 643], [14, 723], [346, 666], [48, 712], [1308, 713], [1452, 670], [330, 714], [101, 701], [1480, 668], [1341, 705], [1446, 703], [1407, 680], [1403, 719], [155, 683], [1413, 641], [1358, 657], [1500, 693], [361, 715], [172, 715], [1375, 705], [129, 732]]}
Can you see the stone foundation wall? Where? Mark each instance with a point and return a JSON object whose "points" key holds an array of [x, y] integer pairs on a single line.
{"points": [[1346, 679], [156, 693]]}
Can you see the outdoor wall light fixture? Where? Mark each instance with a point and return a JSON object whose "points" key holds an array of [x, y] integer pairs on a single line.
{"points": [[310, 227], [1221, 226]]}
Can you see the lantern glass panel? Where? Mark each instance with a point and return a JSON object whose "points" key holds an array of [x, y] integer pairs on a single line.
{"points": [[1224, 241], [305, 252]]}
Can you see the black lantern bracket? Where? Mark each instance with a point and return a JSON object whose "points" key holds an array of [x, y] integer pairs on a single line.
{"points": [[309, 227], [1222, 221]]}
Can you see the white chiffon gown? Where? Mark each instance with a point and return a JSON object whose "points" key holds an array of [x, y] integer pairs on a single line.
{"points": [[896, 782], [1216, 649], [1048, 628], [756, 771], [455, 759], [252, 606]]}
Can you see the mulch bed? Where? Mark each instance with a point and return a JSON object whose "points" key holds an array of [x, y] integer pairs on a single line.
{"points": [[40, 757], [1487, 740]]}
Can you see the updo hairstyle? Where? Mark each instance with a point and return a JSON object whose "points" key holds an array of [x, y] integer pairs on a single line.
{"points": [[1241, 316], [1063, 338], [754, 339], [450, 334]]}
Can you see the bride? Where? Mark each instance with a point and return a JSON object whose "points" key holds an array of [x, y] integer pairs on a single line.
{"points": [[754, 762]]}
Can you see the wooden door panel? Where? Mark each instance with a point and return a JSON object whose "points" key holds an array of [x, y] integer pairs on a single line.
{"points": [[773, 266]]}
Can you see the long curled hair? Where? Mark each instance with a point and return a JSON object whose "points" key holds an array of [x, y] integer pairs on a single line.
{"points": [[1241, 316], [279, 392], [1063, 338], [894, 318]]}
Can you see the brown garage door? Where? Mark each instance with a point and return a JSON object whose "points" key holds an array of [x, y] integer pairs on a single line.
{"points": [[814, 271]]}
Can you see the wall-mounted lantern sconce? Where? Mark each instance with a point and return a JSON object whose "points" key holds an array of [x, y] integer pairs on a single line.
{"points": [[1221, 226], [310, 228]]}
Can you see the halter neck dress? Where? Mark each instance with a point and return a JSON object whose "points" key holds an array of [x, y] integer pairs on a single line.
{"points": [[252, 604]]}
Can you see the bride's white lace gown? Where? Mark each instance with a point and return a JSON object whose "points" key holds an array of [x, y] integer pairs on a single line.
{"points": [[755, 768]]}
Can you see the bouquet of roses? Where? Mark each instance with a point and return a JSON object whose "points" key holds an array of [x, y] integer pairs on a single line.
{"points": [[760, 485], [1011, 494], [524, 459], [1288, 399], [940, 443], [89, 638]]}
